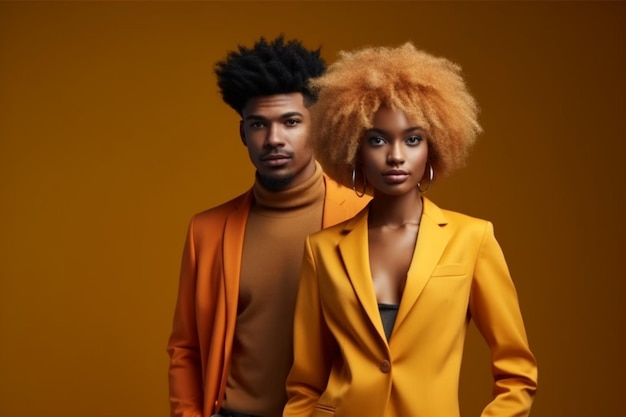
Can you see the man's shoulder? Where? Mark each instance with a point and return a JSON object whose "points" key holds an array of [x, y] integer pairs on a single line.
{"points": [[219, 213], [344, 196], [341, 203]]}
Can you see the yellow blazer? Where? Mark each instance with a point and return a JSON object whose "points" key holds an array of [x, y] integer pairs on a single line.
{"points": [[343, 364]]}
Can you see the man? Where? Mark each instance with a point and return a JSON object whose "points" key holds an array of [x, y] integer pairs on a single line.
{"points": [[231, 342]]}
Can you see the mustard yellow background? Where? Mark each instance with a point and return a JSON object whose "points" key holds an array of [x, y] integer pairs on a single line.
{"points": [[112, 134]]}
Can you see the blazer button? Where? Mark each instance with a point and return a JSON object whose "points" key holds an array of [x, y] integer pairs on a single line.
{"points": [[385, 366]]}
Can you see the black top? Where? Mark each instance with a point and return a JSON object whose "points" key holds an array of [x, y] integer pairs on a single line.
{"points": [[388, 313]]}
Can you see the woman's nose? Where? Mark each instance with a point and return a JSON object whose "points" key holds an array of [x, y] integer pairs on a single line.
{"points": [[396, 154]]}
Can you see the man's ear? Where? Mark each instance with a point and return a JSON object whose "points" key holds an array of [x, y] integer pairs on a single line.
{"points": [[242, 133]]}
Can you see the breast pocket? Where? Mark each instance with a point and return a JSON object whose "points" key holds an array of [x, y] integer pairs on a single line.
{"points": [[450, 270], [447, 291]]}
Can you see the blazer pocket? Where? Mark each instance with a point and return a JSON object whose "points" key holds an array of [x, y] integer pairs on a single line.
{"points": [[449, 270]]}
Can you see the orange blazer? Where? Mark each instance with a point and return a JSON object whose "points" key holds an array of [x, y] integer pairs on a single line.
{"points": [[204, 320], [344, 366]]}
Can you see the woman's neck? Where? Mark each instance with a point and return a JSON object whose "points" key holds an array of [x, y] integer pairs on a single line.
{"points": [[395, 211]]}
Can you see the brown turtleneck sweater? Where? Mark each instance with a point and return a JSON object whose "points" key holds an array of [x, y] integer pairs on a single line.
{"points": [[278, 224]]}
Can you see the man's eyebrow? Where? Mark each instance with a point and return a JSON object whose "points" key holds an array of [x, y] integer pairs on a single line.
{"points": [[291, 114], [282, 116]]}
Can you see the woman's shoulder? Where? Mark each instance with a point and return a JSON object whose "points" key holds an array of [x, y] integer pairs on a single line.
{"points": [[336, 232], [453, 219]]}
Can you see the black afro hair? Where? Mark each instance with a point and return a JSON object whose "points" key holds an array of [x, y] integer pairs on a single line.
{"points": [[268, 68]]}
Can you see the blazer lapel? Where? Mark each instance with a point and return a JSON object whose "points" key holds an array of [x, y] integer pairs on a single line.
{"points": [[234, 231], [353, 248], [431, 242]]}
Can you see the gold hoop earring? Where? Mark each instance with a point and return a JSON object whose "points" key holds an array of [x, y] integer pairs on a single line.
{"points": [[354, 183], [431, 175]]}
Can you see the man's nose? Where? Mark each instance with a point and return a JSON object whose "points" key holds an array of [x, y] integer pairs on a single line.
{"points": [[274, 137]]}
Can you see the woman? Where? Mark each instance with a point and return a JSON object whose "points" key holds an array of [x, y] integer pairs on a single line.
{"points": [[386, 297]]}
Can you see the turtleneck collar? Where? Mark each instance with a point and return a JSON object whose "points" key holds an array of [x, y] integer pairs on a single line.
{"points": [[308, 193]]}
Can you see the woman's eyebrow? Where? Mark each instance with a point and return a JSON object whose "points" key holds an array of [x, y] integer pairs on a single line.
{"points": [[383, 132]]}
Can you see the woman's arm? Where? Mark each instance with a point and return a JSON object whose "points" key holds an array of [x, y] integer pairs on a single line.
{"points": [[495, 310]]}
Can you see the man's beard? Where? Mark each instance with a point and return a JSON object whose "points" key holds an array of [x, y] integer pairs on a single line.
{"points": [[275, 183]]}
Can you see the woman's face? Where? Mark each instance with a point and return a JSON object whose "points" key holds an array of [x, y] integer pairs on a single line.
{"points": [[393, 153]]}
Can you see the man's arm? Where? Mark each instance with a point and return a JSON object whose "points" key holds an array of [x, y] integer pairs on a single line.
{"points": [[185, 369], [314, 345]]}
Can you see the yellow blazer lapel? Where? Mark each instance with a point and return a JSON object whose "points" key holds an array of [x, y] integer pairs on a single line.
{"points": [[353, 248], [431, 242]]}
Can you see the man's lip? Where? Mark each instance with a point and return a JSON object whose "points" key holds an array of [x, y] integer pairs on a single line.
{"points": [[275, 160], [274, 156]]}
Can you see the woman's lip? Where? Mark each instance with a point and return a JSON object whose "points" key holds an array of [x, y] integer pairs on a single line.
{"points": [[395, 178]]}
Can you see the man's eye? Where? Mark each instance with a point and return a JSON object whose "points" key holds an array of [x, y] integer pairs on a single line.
{"points": [[292, 122], [256, 125]]}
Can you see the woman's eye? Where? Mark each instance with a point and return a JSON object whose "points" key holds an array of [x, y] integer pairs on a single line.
{"points": [[376, 140], [414, 140]]}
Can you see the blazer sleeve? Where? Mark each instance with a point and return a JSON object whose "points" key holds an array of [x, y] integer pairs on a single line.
{"points": [[185, 378], [314, 345], [494, 307]]}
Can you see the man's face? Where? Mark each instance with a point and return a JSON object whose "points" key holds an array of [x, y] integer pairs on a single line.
{"points": [[275, 129]]}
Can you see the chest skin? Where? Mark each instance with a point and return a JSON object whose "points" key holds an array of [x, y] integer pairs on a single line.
{"points": [[390, 254]]}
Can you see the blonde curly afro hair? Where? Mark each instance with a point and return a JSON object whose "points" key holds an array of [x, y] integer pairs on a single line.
{"points": [[426, 88]]}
